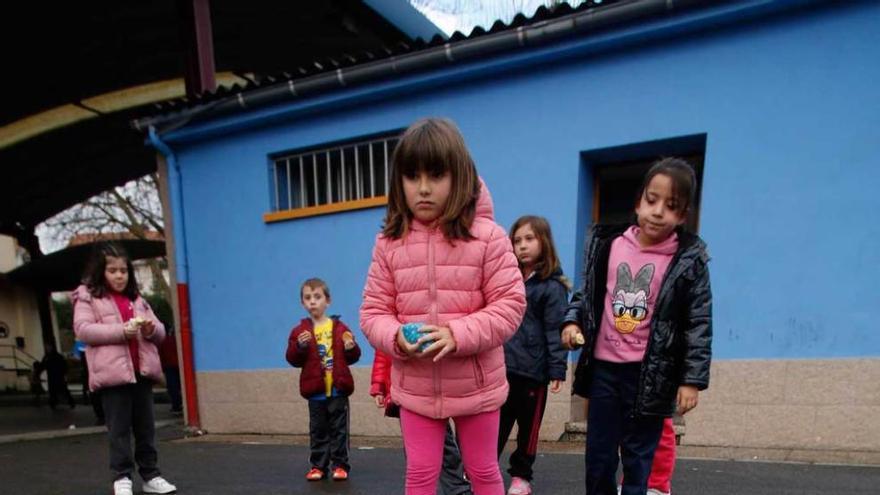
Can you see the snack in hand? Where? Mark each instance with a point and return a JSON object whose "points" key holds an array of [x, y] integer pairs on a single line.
{"points": [[136, 322], [348, 341], [579, 339], [412, 334]]}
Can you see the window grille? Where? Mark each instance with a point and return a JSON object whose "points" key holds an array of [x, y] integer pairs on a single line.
{"points": [[334, 178]]}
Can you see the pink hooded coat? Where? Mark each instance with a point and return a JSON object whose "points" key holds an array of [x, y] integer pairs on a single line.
{"points": [[98, 323], [473, 287]]}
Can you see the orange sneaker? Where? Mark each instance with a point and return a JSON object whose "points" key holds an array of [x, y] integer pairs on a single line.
{"points": [[315, 474], [340, 474]]}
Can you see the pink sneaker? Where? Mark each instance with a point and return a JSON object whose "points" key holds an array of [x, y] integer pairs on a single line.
{"points": [[519, 486]]}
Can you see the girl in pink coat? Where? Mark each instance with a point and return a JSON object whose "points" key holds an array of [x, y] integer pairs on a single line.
{"points": [[121, 333], [442, 261]]}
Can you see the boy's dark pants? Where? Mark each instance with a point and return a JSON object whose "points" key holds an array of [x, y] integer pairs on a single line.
{"points": [[452, 480], [525, 405], [172, 385], [610, 425], [328, 433], [129, 409]]}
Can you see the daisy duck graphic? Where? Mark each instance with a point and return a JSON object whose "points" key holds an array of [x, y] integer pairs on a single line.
{"points": [[630, 297]]}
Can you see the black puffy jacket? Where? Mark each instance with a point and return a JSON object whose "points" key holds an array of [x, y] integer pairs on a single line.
{"points": [[535, 351], [680, 347]]}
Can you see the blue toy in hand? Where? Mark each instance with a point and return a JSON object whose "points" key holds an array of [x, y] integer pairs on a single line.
{"points": [[412, 334]]}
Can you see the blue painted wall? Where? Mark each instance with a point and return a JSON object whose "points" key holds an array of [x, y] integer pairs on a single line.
{"points": [[790, 110]]}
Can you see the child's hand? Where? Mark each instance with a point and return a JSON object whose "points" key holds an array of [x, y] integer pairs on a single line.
{"points": [[688, 396], [348, 341], [572, 337], [411, 350], [442, 341], [130, 329], [555, 386], [304, 339], [380, 400], [147, 328]]}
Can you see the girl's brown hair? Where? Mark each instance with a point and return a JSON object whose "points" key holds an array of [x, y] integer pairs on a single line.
{"points": [[94, 277], [683, 177], [548, 263], [434, 146]]}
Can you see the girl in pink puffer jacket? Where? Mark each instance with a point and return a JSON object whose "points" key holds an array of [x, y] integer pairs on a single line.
{"points": [[121, 334], [441, 260]]}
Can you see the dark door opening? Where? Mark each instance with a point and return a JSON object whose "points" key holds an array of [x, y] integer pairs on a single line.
{"points": [[616, 185]]}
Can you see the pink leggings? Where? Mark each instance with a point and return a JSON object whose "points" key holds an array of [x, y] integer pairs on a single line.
{"points": [[477, 437]]}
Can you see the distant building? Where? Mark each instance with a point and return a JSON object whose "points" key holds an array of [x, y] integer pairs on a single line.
{"points": [[21, 336]]}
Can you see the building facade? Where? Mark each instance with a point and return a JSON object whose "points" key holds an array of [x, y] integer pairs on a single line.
{"points": [[774, 101], [21, 336]]}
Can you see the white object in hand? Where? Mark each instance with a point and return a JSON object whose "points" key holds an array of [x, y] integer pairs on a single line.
{"points": [[135, 322]]}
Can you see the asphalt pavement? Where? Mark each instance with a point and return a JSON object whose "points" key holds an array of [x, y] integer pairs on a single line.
{"points": [[221, 465]]}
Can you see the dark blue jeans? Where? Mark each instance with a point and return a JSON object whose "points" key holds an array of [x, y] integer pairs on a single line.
{"points": [[614, 434]]}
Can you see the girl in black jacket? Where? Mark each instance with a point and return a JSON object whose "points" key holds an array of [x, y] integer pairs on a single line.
{"points": [[534, 356], [645, 314]]}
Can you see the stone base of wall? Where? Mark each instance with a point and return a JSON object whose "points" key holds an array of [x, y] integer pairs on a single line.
{"points": [[831, 405], [268, 401], [807, 404]]}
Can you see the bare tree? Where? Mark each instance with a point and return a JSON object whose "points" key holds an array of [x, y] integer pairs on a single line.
{"points": [[134, 209]]}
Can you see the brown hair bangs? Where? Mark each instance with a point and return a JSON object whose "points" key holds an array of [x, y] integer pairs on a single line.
{"points": [[434, 146]]}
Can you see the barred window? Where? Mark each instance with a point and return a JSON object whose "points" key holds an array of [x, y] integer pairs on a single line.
{"points": [[331, 178]]}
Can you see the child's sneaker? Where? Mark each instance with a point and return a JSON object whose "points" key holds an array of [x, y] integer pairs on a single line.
{"points": [[340, 474], [519, 486], [315, 474], [158, 485], [122, 486], [654, 491]]}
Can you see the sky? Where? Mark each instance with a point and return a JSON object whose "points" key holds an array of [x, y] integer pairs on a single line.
{"points": [[464, 15]]}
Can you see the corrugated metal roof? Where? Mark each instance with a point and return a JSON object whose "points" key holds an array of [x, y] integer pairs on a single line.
{"points": [[345, 60], [90, 49]]}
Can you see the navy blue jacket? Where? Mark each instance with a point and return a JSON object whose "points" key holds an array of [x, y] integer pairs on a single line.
{"points": [[535, 351]]}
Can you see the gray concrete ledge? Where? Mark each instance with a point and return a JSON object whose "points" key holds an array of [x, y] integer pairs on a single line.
{"points": [[71, 432]]}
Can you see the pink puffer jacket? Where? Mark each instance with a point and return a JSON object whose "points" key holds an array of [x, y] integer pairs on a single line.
{"points": [[97, 322], [475, 288]]}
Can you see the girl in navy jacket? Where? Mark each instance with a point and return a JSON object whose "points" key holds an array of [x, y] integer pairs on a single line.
{"points": [[534, 356]]}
